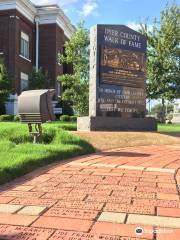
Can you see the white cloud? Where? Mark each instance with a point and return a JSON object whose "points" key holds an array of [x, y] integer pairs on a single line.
{"points": [[40, 2], [89, 7], [62, 3], [136, 26], [67, 2]]}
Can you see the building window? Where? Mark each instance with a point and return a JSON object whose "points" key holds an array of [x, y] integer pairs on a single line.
{"points": [[58, 89], [24, 81], [24, 45]]}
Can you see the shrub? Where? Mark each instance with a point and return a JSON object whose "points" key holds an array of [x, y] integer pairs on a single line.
{"points": [[68, 126], [38, 79], [16, 118], [73, 118], [65, 118], [67, 108], [2, 108], [160, 117], [5, 86], [6, 118]]}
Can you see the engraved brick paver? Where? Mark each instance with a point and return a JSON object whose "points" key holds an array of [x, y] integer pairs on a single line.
{"points": [[77, 185], [32, 210], [70, 197], [23, 220], [121, 229], [23, 188], [161, 170], [37, 180], [131, 167], [9, 208], [19, 233], [59, 177], [22, 194], [34, 201], [168, 234], [127, 208], [159, 203], [107, 173], [129, 179], [112, 217], [154, 220], [171, 212], [167, 185], [134, 194], [69, 235], [167, 196], [47, 189], [52, 183], [128, 184], [80, 205], [92, 191], [72, 213], [116, 187], [156, 190], [103, 196], [147, 184], [6, 199], [102, 179], [63, 223], [108, 199], [164, 179]]}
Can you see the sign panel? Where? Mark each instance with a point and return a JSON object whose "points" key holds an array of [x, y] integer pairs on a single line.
{"points": [[122, 67]]}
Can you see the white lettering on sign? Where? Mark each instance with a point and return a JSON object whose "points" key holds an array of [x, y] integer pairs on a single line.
{"points": [[122, 38], [111, 39], [134, 44]]}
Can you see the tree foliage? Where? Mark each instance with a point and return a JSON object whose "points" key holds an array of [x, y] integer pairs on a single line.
{"points": [[163, 65], [76, 85], [38, 80], [5, 86]]}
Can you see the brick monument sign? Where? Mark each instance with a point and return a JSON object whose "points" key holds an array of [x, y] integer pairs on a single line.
{"points": [[117, 99]]}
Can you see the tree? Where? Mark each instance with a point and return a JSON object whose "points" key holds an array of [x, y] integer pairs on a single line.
{"points": [[163, 65], [38, 80], [76, 85], [159, 108], [5, 86]]}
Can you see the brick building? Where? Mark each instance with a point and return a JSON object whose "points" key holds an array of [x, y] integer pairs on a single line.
{"points": [[30, 36]]}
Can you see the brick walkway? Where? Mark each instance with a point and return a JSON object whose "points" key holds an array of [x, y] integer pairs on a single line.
{"points": [[108, 196]]}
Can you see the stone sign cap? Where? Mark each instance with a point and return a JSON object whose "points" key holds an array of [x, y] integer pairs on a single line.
{"points": [[35, 106]]}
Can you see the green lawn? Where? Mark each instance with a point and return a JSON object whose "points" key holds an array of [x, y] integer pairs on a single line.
{"points": [[168, 127], [19, 156]]}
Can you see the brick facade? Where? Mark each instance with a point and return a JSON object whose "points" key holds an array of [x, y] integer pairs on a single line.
{"points": [[51, 42]]}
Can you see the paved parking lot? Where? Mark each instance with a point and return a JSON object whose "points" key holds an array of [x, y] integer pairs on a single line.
{"points": [[122, 194]]}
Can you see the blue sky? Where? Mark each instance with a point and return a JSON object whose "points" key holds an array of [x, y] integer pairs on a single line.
{"points": [[128, 12]]}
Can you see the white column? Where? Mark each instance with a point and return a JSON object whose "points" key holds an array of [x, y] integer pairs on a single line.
{"points": [[37, 43]]}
